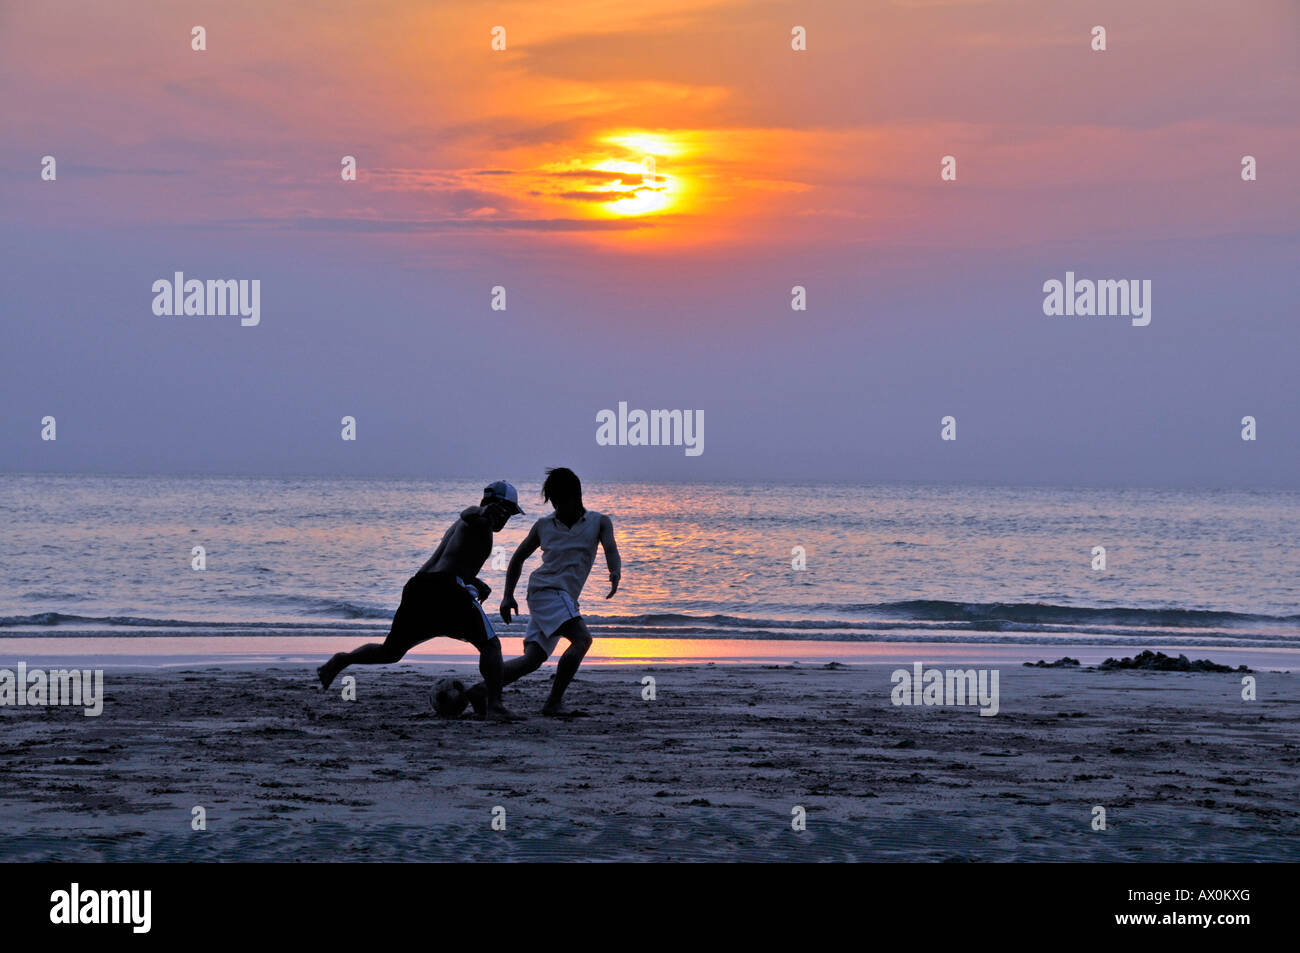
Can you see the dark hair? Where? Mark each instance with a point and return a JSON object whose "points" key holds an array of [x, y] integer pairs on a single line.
{"points": [[563, 483]]}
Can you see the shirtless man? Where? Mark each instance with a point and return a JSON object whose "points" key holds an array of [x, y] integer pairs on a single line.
{"points": [[443, 599]]}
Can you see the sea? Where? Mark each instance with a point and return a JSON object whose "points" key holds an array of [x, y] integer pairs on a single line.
{"points": [[96, 557]]}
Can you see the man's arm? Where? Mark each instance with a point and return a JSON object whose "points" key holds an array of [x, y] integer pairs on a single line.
{"points": [[529, 546], [474, 515], [613, 561]]}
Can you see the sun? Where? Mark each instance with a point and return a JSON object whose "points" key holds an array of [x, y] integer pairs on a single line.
{"points": [[653, 193], [641, 162], [620, 175]]}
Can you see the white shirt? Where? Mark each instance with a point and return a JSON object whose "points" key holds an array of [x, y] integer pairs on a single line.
{"points": [[567, 553]]}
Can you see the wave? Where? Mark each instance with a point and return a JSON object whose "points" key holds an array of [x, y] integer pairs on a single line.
{"points": [[314, 605], [51, 619], [995, 615], [884, 621]]}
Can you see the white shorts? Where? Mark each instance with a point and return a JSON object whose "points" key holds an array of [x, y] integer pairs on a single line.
{"points": [[548, 609]]}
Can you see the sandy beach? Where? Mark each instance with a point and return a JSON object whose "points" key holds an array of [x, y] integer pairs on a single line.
{"points": [[711, 769]]}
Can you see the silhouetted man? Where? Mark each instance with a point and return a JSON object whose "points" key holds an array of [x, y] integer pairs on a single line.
{"points": [[438, 600]]}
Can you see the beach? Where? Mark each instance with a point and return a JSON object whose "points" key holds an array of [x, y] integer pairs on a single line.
{"points": [[715, 767]]}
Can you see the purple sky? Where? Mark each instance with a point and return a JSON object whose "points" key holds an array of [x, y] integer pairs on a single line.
{"points": [[817, 168]]}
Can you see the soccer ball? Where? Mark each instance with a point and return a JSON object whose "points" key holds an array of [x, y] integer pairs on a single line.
{"points": [[449, 697]]}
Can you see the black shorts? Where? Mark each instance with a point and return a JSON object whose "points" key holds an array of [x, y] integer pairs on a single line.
{"points": [[434, 604]]}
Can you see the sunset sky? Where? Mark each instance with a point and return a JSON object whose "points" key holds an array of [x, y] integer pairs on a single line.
{"points": [[527, 168]]}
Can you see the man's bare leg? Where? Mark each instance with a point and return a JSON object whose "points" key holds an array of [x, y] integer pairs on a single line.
{"points": [[575, 630], [490, 667], [511, 671], [372, 653]]}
